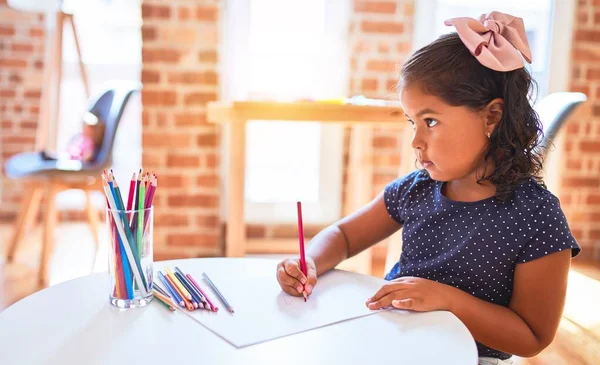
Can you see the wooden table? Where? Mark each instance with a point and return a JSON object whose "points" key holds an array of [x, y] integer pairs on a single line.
{"points": [[74, 323], [362, 118]]}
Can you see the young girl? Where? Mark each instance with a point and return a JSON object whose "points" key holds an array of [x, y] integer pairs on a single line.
{"points": [[482, 237]]}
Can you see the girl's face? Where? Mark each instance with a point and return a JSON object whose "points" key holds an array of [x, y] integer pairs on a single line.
{"points": [[449, 141]]}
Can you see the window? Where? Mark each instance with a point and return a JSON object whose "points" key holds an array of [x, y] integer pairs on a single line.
{"points": [[281, 50]]}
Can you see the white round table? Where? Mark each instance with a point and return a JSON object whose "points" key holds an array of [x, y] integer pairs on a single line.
{"points": [[74, 323]]}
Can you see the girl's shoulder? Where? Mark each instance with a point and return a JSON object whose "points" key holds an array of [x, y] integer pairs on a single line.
{"points": [[534, 195]]}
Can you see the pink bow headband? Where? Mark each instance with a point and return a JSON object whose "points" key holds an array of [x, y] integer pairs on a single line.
{"points": [[496, 40]]}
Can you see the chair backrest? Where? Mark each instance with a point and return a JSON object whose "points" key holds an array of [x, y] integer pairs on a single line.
{"points": [[109, 107], [554, 110]]}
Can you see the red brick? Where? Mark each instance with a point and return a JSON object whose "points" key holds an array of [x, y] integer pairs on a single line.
{"points": [[595, 234], [574, 164], [585, 89], [184, 13], [593, 198], [207, 140], [13, 63], [572, 128], [207, 56], [190, 119], [208, 181], [33, 94], [22, 47], [7, 31], [152, 160], [175, 181], [7, 93], [193, 200], [381, 66], [179, 160], [589, 146], [587, 35], [192, 239], [160, 55], [159, 98], [170, 220], [597, 17], [207, 13], [37, 32], [199, 98], [581, 182], [382, 7], [148, 33], [166, 140], [150, 11], [391, 85], [382, 27], [21, 140], [150, 77], [15, 78], [199, 77], [582, 16], [369, 85], [585, 55], [596, 110], [212, 160], [207, 220]]}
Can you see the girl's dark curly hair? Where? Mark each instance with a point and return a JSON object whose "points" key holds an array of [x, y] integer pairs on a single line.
{"points": [[445, 68]]}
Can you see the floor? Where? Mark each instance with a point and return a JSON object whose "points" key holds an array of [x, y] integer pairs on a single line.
{"points": [[577, 341]]}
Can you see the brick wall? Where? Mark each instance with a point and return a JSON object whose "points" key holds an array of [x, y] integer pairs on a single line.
{"points": [[179, 73], [21, 73], [580, 194]]}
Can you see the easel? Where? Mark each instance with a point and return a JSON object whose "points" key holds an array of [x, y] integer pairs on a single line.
{"points": [[50, 101]]}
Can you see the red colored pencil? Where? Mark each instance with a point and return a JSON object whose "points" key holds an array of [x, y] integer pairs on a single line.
{"points": [[301, 242]]}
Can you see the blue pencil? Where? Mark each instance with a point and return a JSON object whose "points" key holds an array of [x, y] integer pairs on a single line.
{"points": [[126, 267], [176, 296], [186, 284], [191, 288]]}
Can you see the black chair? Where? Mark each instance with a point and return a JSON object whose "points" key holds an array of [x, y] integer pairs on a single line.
{"points": [[40, 173]]}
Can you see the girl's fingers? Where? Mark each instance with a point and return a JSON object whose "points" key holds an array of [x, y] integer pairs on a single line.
{"points": [[292, 267], [286, 280], [387, 289], [386, 301], [407, 303]]}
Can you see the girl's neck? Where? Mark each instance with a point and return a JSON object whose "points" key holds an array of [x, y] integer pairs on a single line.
{"points": [[467, 189]]}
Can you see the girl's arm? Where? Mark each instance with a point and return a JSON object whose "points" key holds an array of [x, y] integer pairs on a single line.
{"points": [[351, 235], [530, 323]]}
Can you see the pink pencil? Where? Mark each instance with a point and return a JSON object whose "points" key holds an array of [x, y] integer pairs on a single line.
{"points": [[213, 307], [301, 242]]}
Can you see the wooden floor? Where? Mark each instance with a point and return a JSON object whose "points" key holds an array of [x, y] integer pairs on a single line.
{"points": [[577, 341]]}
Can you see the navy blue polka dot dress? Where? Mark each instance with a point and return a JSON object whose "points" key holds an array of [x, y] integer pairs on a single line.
{"points": [[474, 246]]}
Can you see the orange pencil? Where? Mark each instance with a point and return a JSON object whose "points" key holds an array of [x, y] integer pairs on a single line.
{"points": [[186, 301]]}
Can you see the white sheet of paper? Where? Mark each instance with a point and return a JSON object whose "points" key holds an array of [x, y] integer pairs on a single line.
{"points": [[263, 312]]}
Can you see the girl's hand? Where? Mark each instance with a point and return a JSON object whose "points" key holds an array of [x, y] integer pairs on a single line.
{"points": [[292, 280], [413, 293]]}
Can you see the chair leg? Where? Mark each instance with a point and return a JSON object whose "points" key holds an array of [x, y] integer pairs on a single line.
{"points": [[48, 238], [92, 218], [29, 209]]}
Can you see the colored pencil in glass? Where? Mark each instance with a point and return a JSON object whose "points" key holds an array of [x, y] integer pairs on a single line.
{"points": [[140, 217], [221, 297], [127, 273], [301, 243], [173, 292], [131, 195], [211, 306], [137, 271]]}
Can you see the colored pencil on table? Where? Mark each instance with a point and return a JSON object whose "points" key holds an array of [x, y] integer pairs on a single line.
{"points": [[174, 293], [161, 290], [182, 289], [221, 297], [212, 307], [195, 297], [301, 243], [163, 300], [188, 304], [190, 287]]}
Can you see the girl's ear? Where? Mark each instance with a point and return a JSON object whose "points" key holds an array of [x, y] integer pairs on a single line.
{"points": [[493, 114]]}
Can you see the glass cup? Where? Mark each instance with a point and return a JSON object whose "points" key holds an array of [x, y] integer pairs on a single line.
{"points": [[130, 256]]}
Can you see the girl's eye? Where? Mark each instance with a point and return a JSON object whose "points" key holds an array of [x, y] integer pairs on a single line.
{"points": [[431, 122]]}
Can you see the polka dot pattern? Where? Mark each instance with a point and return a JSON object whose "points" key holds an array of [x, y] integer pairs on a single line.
{"points": [[474, 246]]}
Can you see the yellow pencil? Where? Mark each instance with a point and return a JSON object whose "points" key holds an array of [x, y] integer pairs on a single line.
{"points": [[179, 285]]}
